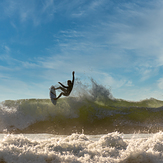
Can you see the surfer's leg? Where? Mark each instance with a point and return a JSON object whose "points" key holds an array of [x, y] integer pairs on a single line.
{"points": [[63, 89], [59, 96], [62, 93], [57, 88]]}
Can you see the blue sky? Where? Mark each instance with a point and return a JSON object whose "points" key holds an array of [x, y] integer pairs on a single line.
{"points": [[118, 43]]}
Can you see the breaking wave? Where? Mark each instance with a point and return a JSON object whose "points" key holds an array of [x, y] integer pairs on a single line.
{"points": [[94, 110]]}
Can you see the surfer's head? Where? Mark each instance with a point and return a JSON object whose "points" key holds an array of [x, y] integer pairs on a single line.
{"points": [[68, 82]]}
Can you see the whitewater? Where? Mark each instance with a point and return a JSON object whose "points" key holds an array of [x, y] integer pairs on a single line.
{"points": [[79, 148], [92, 126]]}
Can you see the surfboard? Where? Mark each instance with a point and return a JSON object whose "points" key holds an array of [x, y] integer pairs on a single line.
{"points": [[53, 95]]}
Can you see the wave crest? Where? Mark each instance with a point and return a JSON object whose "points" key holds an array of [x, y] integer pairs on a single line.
{"points": [[95, 110]]}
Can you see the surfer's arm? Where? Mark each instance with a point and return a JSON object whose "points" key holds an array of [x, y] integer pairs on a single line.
{"points": [[73, 77], [62, 85]]}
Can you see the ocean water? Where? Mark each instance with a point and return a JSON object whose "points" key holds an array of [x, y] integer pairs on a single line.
{"points": [[74, 114], [92, 127]]}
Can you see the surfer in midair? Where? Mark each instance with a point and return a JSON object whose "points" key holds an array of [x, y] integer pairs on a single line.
{"points": [[66, 90]]}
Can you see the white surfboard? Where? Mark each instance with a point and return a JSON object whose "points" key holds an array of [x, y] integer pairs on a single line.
{"points": [[53, 95]]}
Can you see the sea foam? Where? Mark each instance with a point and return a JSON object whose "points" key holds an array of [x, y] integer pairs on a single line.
{"points": [[80, 148]]}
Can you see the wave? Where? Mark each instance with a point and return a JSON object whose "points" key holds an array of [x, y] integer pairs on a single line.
{"points": [[96, 111]]}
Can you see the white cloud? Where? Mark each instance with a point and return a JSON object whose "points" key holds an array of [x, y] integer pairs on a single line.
{"points": [[139, 29], [160, 83], [38, 12], [7, 49], [16, 89], [3, 76], [108, 80], [48, 6], [147, 72], [138, 93], [129, 83], [131, 37]]}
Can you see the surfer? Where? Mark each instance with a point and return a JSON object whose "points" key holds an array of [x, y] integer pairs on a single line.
{"points": [[66, 90]]}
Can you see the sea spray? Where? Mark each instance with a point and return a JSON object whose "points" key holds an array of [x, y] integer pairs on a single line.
{"points": [[99, 92]]}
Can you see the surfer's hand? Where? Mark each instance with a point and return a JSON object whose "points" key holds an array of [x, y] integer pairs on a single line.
{"points": [[73, 72]]}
